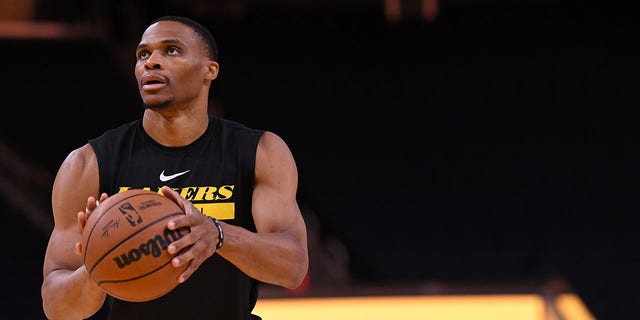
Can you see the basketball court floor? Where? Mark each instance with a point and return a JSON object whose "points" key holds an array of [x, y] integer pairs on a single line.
{"points": [[510, 302]]}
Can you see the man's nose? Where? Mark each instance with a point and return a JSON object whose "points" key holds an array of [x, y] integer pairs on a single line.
{"points": [[154, 61]]}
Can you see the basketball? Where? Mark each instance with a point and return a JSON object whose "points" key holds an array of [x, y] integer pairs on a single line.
{"points": [[125, 244]]}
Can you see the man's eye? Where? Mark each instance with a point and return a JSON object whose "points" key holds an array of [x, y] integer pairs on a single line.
{"points": [[173, 50], [143, 54]]}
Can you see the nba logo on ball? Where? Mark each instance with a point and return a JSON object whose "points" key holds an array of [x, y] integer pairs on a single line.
{"points": [[129, 260], [130, 213]]}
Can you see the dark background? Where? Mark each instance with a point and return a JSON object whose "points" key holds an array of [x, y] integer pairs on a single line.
{"points": [[495, 143]]}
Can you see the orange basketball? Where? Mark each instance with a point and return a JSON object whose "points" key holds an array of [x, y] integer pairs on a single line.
{"points": [[125, 245]]}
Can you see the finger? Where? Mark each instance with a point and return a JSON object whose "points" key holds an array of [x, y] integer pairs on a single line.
{"points": [[82, 221], [183, 204], [181, 244], [91, 205], [186, 274], [191, 248], [173, 195], [191, 268], [79, 248], [195, 256]]}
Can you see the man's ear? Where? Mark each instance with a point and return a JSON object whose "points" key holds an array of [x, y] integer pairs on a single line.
{"points": [[212, 70]]}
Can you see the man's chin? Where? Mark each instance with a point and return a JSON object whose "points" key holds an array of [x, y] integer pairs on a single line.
{"points": [[157, 105]]}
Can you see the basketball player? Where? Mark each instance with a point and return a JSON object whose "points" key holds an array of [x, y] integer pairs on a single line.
{"points": [[245, 178]]}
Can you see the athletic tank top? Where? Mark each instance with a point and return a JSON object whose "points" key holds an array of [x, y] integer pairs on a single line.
{"points": [[216, 173]]}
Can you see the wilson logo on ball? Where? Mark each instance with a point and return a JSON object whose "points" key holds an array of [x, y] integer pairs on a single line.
{"points": [[152, 247], [129, 260]]}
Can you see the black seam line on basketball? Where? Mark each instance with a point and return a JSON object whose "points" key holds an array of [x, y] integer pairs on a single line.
{"points": [[130, 236], [84, 253], [137, 277]]}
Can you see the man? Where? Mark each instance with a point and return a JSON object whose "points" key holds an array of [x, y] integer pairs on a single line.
{"points": [[245, 178]]}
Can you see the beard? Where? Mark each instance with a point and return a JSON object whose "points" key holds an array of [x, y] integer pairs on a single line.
{"points": [[158, 105]]}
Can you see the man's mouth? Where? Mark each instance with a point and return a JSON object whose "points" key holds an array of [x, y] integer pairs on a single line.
{"points": [[153, 82]]}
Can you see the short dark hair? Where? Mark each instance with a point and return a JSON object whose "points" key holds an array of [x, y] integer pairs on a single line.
{"points": [[203, 33]]}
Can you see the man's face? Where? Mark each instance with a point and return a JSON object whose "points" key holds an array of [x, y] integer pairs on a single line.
{"points": [[171, 66]]}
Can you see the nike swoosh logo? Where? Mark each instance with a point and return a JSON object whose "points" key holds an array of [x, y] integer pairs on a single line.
{"points": [[164, 178]]}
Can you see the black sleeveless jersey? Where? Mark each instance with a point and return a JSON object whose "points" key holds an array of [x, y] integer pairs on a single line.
{"points": [[216, 173]]}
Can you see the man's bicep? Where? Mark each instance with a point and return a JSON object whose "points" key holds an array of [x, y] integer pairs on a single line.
{"points": [[76, 179], [273, 212], [274, 198]]}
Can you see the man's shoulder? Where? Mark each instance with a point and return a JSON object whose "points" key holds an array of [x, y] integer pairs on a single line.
{"points": [[122, 128], [117, 133], [220, 123]]}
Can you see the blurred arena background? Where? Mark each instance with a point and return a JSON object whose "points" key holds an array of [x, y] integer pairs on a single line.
{"points": [[447, 148]]}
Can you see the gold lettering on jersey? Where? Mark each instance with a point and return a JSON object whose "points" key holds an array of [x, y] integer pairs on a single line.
{"points": [[220, 211], [210, 200]]}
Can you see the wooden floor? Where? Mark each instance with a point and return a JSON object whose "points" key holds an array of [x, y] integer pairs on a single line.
{"points": [[426, 301]]}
